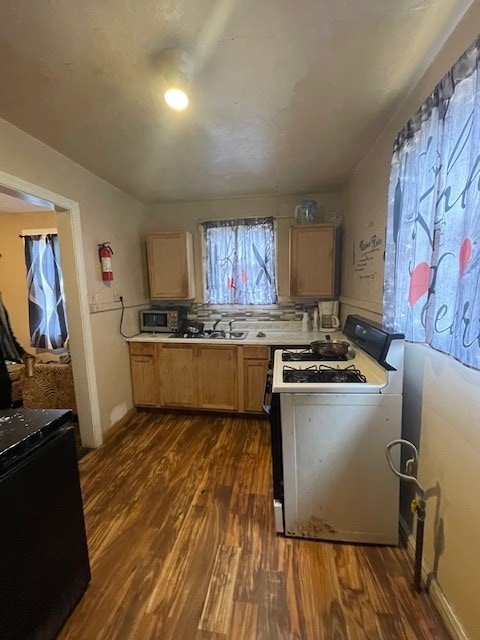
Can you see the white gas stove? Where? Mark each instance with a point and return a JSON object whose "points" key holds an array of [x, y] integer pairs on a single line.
{"points": [[374, 364], [331, 420]]}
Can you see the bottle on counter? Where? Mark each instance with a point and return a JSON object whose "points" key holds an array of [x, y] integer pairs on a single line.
{"points": [[28, 361], [316, 322], [305, 321]]}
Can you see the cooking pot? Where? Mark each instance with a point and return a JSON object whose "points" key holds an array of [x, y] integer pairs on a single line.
{"points": [[193, 326], [329, 347]]}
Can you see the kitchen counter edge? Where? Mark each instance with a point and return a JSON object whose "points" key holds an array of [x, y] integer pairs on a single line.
{"points": [[271, 338]]}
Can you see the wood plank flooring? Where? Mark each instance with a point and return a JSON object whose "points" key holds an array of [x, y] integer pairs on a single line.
{"points": [[182, 547]]}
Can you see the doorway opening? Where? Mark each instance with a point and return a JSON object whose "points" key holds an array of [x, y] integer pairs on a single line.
{"points": [[67, 219]]}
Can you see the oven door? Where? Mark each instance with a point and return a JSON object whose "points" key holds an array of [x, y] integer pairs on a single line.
{"points": [[271, 406]]}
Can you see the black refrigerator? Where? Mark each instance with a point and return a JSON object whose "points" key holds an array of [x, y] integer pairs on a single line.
{"points": [[44, 565]]}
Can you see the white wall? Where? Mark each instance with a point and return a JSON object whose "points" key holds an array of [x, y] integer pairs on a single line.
{"points": [[441, 403], [106, 214], [188, 215]]}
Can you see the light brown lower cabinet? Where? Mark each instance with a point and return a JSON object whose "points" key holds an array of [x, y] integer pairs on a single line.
{"points": [[218, 377], [144, 379], [255, 362], [216, 370], [175, 365]]}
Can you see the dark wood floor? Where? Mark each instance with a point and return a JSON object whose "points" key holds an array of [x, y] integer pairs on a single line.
{"points": [[182, 547]]}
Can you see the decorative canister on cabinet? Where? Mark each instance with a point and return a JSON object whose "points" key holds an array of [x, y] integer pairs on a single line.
{"points": [[306, 212]]}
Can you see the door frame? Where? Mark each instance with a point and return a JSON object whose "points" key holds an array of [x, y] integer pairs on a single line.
{"points": [[75, 281]]}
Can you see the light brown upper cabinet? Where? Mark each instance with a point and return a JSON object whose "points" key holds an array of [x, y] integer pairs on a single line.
{"points": [[170, 265], [314, 261]]}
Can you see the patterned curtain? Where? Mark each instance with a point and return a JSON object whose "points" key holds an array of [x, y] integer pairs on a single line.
{"points": [[432, 269], [240, 261], [46, 307]]}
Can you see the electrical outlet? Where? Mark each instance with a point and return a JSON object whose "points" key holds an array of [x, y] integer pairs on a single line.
{"points": [[116, 296]]}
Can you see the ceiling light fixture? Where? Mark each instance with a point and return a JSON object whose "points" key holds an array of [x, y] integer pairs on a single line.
{"points": [[175, 96], [173, 69]]}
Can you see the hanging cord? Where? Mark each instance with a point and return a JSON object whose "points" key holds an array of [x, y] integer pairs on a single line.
{"points": [[121, 322]]}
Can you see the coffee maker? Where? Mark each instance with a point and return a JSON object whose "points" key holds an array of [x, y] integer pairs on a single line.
{"points": [[328, 315]]}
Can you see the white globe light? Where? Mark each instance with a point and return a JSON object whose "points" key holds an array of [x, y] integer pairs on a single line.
{"points": [[176, 99]]}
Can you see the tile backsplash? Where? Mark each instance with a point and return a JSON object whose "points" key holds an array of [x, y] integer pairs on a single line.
{"points": [[284, 311]]}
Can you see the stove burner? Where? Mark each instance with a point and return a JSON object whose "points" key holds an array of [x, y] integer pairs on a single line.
{"points": [[299, 375], [307, 355], [323, 374]]}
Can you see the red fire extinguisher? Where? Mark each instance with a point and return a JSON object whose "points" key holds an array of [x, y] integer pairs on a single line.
{"points": [[105, 252]]}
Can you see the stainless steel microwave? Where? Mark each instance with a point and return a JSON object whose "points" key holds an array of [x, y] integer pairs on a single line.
{"points": [[161, 320]]}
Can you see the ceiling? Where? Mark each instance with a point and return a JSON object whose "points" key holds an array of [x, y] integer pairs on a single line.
{"points": [[285, 96], [22, 203]]}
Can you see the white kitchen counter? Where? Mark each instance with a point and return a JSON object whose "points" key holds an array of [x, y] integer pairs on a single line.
{"points": [[289, 335]]}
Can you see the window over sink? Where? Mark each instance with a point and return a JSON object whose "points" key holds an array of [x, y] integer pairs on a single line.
{"points": [[239, 261]]}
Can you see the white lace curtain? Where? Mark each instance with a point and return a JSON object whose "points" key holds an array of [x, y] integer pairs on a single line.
{"points": [[240, 261], [432, 268]]}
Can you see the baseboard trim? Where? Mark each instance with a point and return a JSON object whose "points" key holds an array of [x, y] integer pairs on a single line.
{"points": [[119, 423], [439, 600]]}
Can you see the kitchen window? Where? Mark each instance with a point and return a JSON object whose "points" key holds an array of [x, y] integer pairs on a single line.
{"points": [[432, 265], [46, 297], [239, 261]]}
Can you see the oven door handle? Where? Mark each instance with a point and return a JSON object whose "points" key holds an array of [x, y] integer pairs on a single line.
{"points": [[267, 393]]}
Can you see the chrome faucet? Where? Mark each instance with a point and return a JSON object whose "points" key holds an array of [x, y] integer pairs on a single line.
{"points": [[230, 324]]}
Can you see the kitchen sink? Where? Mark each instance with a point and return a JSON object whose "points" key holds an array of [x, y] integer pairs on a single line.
{"points": [[212, 335], [228, 335]]}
